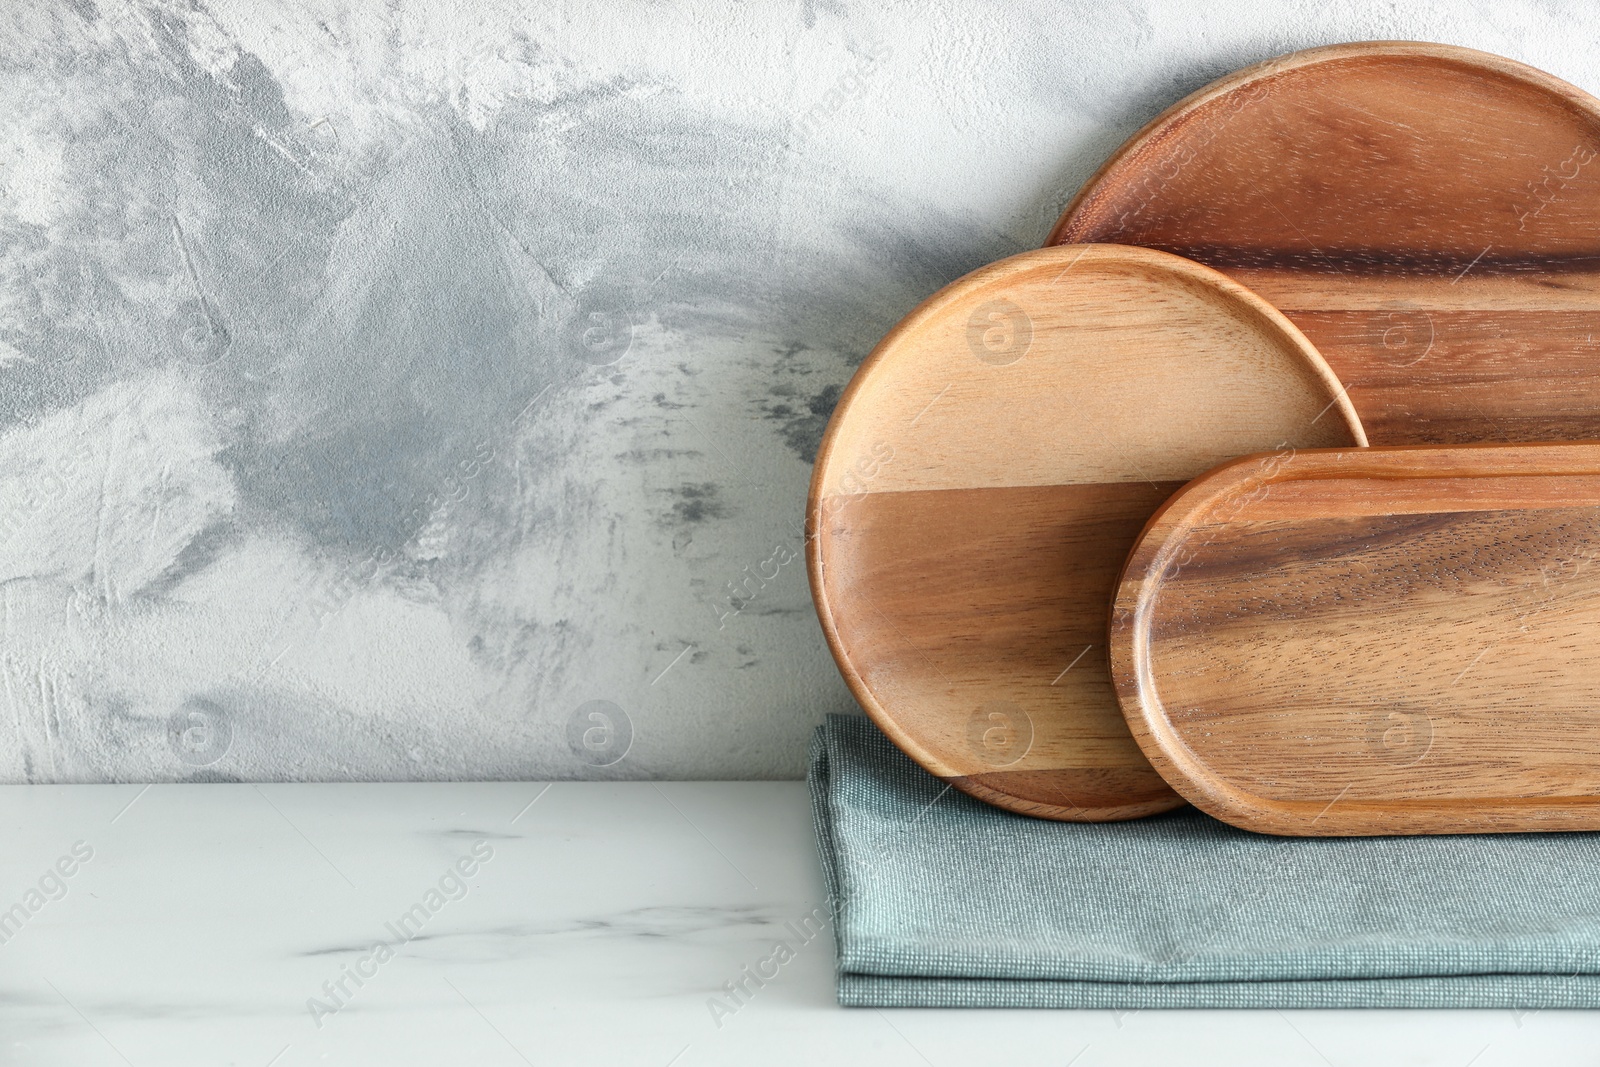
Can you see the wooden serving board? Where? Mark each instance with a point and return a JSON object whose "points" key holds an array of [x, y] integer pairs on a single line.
{"points": [[1376, 641], [981, 482], [1429, 216]]}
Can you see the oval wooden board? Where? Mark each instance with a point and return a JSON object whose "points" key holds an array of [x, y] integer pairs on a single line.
{"points": [[1376, 641], [1428, 215], [981, 482]]}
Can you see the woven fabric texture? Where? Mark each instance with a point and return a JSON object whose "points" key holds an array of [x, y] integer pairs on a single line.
{"points": [[942, 901]]}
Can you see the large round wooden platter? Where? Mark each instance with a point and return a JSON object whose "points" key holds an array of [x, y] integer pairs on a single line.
{"points": [[986, 473], [1429, 216]]}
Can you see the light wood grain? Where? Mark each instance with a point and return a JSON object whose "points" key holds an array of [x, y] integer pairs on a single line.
{"points": [[1378, 641], [983, 478], [1428, 215]]}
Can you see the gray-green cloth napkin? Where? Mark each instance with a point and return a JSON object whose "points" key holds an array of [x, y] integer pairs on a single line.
{"points": [[942, 901]]}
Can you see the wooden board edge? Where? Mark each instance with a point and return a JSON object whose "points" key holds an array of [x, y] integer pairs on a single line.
{"points": [[1062, 233], [1128, 655], [973, 787], [1342, 817]]}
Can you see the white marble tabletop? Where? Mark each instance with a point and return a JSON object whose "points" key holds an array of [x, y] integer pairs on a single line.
{"points": [[511, 923]]}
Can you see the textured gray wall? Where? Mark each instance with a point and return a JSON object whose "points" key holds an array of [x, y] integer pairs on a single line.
{"points": [[384, 384]]}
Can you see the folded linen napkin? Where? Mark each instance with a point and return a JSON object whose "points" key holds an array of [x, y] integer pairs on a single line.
{"points": [[942, 901]]}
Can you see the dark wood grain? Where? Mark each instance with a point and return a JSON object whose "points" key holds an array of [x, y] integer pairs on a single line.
{"points": [[1429, 216], [1386, 641]]}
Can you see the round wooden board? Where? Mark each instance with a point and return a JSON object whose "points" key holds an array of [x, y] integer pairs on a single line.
{"points": [[1374, 641], [1429, 216], [981, 483]]}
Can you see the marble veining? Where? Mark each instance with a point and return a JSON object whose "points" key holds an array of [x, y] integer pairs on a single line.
{"points": [[629, 923]]}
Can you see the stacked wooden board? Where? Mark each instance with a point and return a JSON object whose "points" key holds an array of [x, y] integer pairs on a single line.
{"points": [[1032, 583]]}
